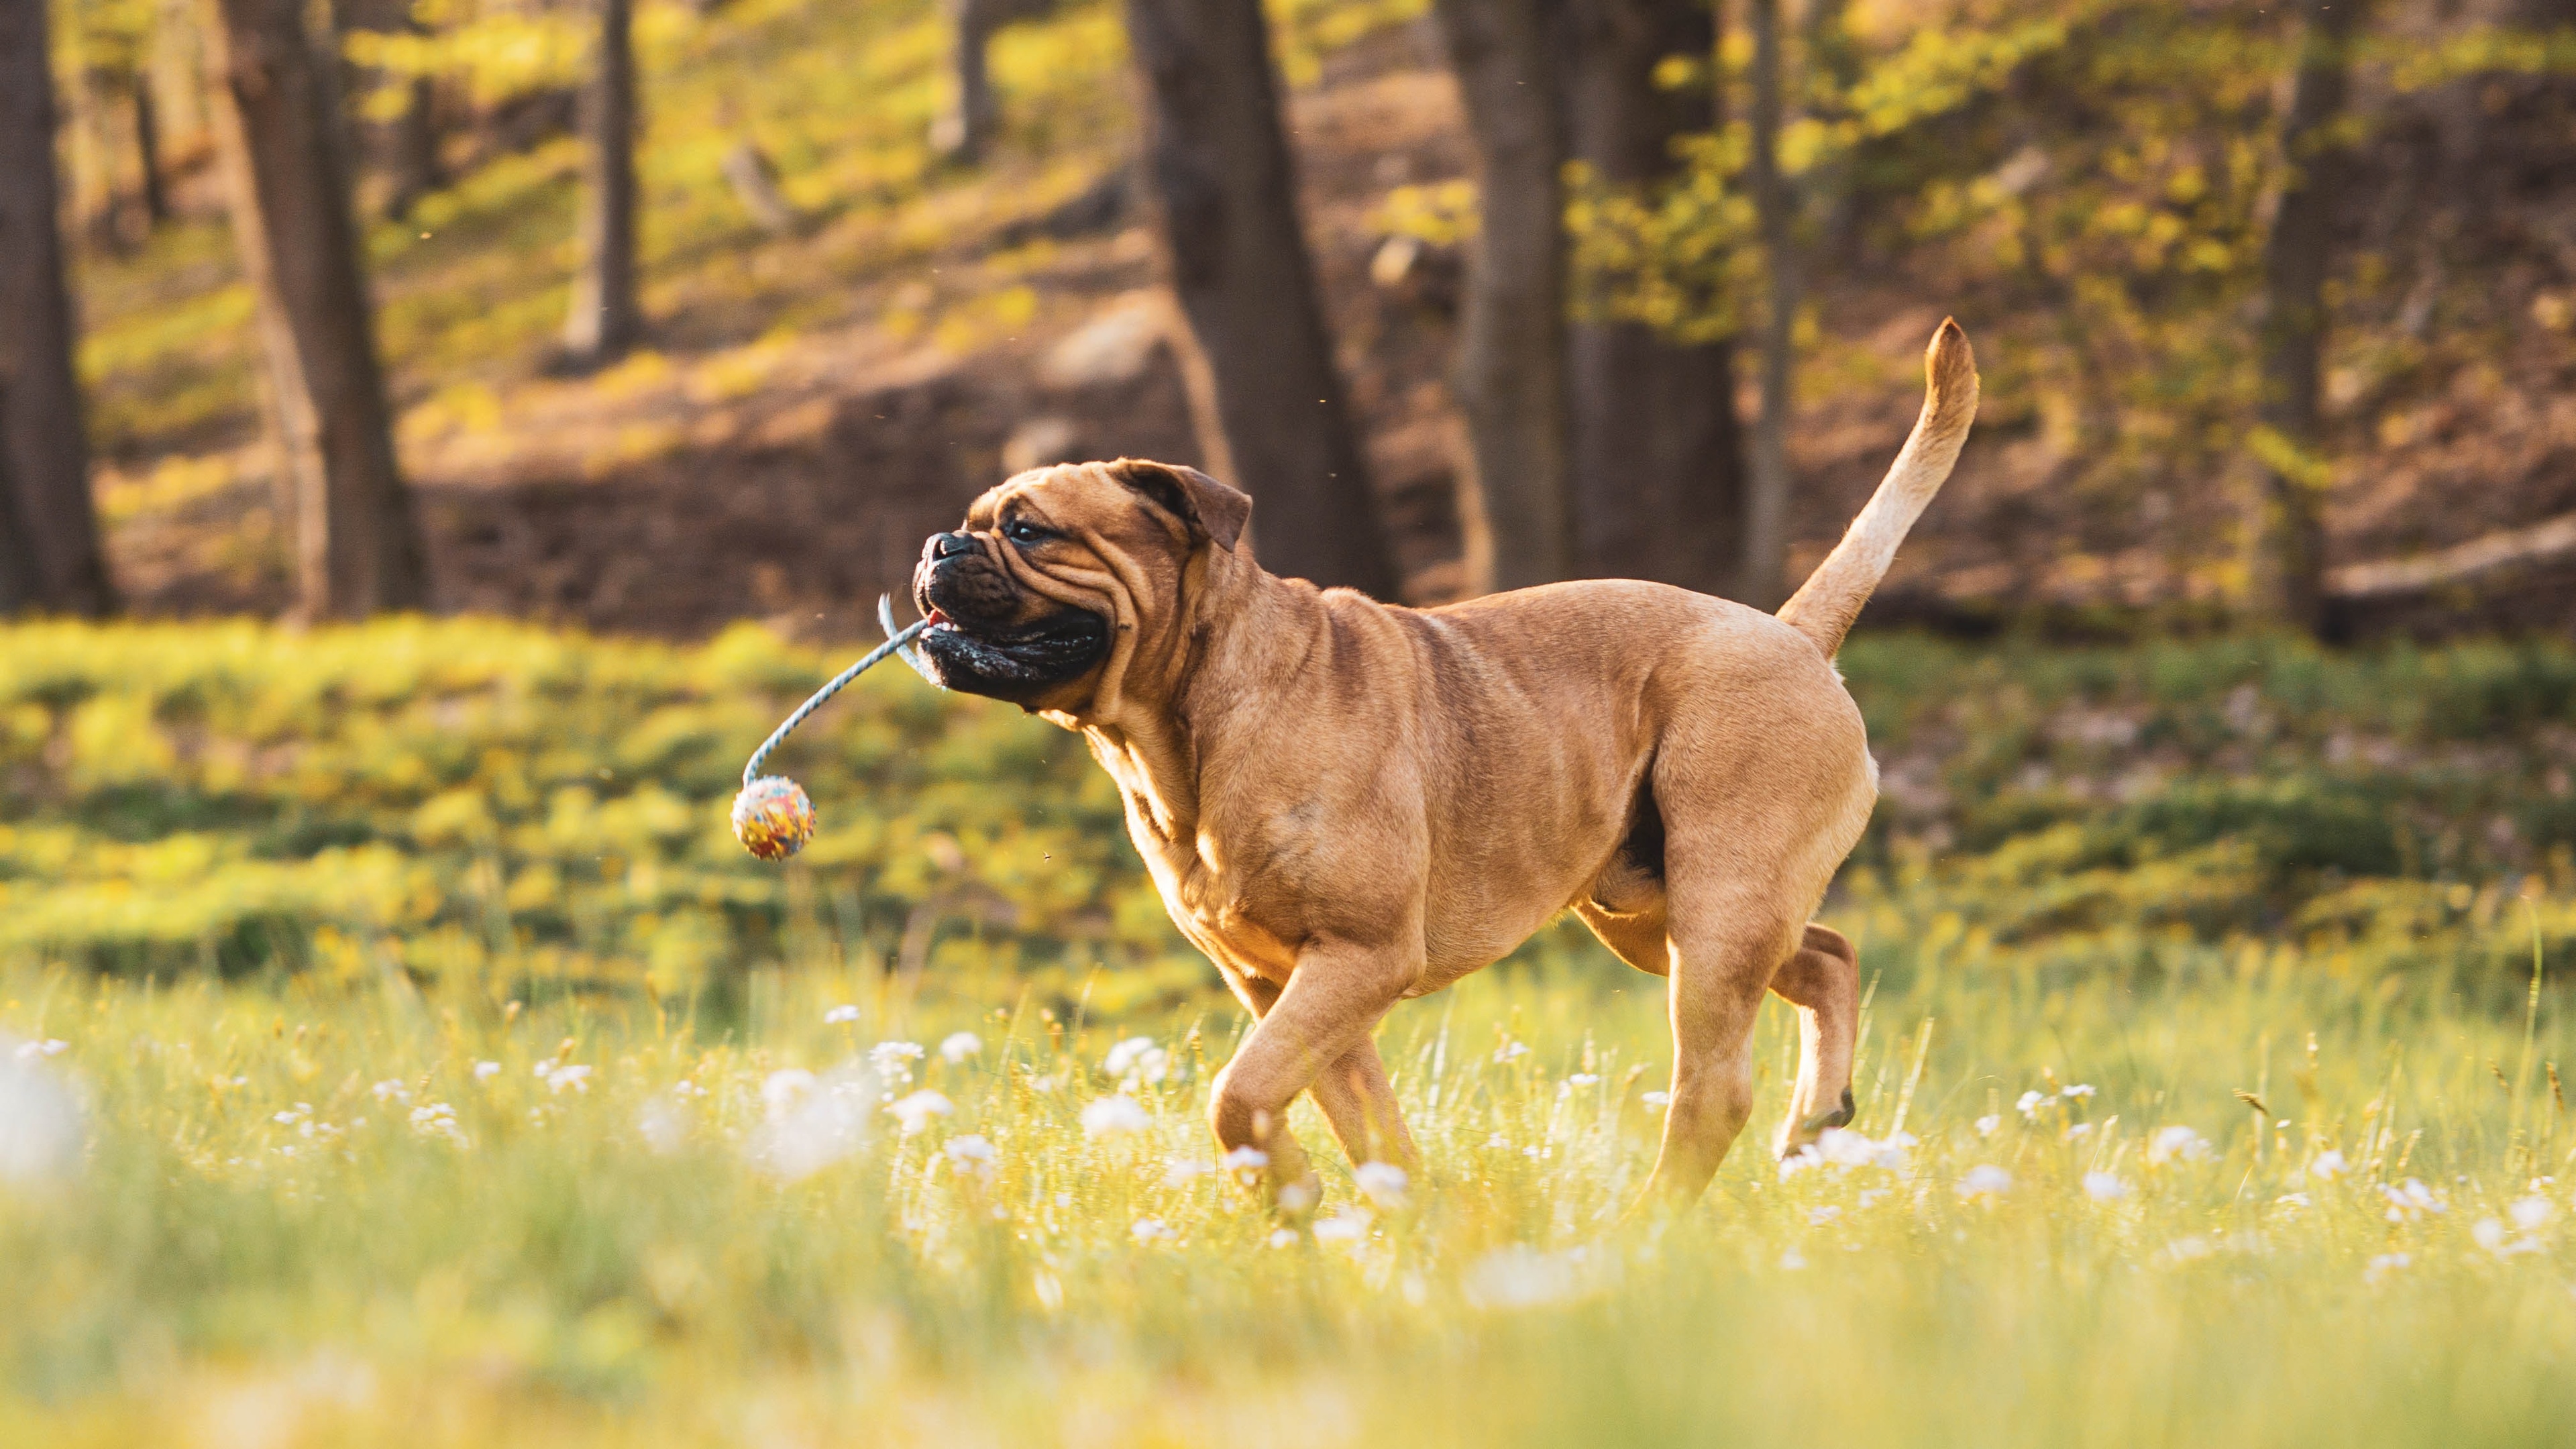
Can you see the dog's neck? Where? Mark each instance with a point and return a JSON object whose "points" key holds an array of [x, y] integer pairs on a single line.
{"points": [[1161, 692]]}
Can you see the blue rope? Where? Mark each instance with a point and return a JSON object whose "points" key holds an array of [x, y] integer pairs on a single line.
{"points": [[895, 645]]}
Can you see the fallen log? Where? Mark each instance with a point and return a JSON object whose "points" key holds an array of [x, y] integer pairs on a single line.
{"points": [[2382, 577]]}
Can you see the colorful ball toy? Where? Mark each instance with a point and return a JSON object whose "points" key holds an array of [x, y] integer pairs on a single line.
{"points": [[772, 816]]}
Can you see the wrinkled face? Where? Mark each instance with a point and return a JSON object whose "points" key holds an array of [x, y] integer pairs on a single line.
{"points": [[1026, 599]]}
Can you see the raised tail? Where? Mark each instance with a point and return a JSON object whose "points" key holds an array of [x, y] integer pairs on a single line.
{"points": [[1826, 604]]}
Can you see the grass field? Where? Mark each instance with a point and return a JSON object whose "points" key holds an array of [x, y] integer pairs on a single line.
{"points": [[2206, 1095]]}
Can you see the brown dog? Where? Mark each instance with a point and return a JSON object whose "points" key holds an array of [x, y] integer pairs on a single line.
{"points": [[1347, 803]]}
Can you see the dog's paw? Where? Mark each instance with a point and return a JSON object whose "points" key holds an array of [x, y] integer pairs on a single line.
{"points": [[1796, 1139], [1839, 1117]]}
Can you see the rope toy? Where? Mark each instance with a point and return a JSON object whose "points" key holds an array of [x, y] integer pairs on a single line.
{"points": [[772, 816]]}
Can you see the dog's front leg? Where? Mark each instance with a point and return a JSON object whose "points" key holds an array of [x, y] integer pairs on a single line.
{"points": [[1353, 1090], [1321, 1020], [1360, 1102]]}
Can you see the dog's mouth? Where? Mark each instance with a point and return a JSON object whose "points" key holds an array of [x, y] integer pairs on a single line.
{"points": [[1016, 662]]}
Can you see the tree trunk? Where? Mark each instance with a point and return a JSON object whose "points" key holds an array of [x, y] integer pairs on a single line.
{"points": [[414, 162], [963, 131], [404, 149], [147, 151], [1511, 351], [278, 120], [1763, 582], [51, 555], [606, 320], [1657, 451], [1227, 194], [2293, 333]]}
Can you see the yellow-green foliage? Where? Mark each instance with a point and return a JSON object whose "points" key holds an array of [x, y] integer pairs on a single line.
{"points": [[484, 802], [476, 802]]}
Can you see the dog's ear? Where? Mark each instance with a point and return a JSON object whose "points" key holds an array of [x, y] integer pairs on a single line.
{"points": [[1212, 510]]}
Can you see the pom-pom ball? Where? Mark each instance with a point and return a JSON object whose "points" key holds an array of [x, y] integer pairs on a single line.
{"points": [[772, 818]]}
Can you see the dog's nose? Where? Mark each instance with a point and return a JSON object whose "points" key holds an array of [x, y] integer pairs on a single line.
{"points": [[949, 545]]}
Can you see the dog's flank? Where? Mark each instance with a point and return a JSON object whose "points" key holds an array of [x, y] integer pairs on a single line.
{"points": [[1826, 604]]}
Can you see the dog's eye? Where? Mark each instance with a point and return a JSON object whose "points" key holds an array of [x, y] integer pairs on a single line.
{"points": [[1020, 530]]}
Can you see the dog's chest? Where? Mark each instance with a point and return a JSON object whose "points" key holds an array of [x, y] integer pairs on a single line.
{"points": [[1209, 902]]}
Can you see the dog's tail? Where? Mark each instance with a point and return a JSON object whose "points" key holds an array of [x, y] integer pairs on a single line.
{"points": [[1826, 604]]}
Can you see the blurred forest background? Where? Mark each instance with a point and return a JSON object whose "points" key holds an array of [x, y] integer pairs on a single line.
{"points": [[650, 316]]}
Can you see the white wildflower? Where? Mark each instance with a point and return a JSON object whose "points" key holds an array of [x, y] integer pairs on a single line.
{"points": [[1511, 1051], [1244, 1161], [1149, 1229], [28, 1051], [2295, 1200], [574, 1077], [1792, 1260], [1109, 1116], [40, 1119], [2489, 1234], [957, 1046], [2032, 1103], [1817, 1217], [1137, 1060], [1346, 1226], [2104, 1186], [1656, 1099], [2076, 1130], [663, 1123], [1382, 1183], [391, 1091], [893, 1060], [813, 1122], [1987, 1124], [486, 1071], [2383, 1265], [841, 1015], [1582, 1079], [2411, 1199], [1179, 1170], [2530, 1212], [971, 1153], [1985, 1180], [1283, 1237], [916, 1110], [437, 1119], [2077, 1091], [1523, 1277], [783, 1088], [2167, 1143]]}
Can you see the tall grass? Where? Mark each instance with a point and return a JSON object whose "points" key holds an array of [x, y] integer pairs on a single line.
{"points": [[306, 1218]]}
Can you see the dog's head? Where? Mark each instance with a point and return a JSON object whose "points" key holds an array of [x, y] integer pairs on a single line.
{"points": [[1061, 571]]}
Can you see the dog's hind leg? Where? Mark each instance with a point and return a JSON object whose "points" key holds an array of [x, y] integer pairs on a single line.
{"points": [[1823, 981], [1728, 945]]}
